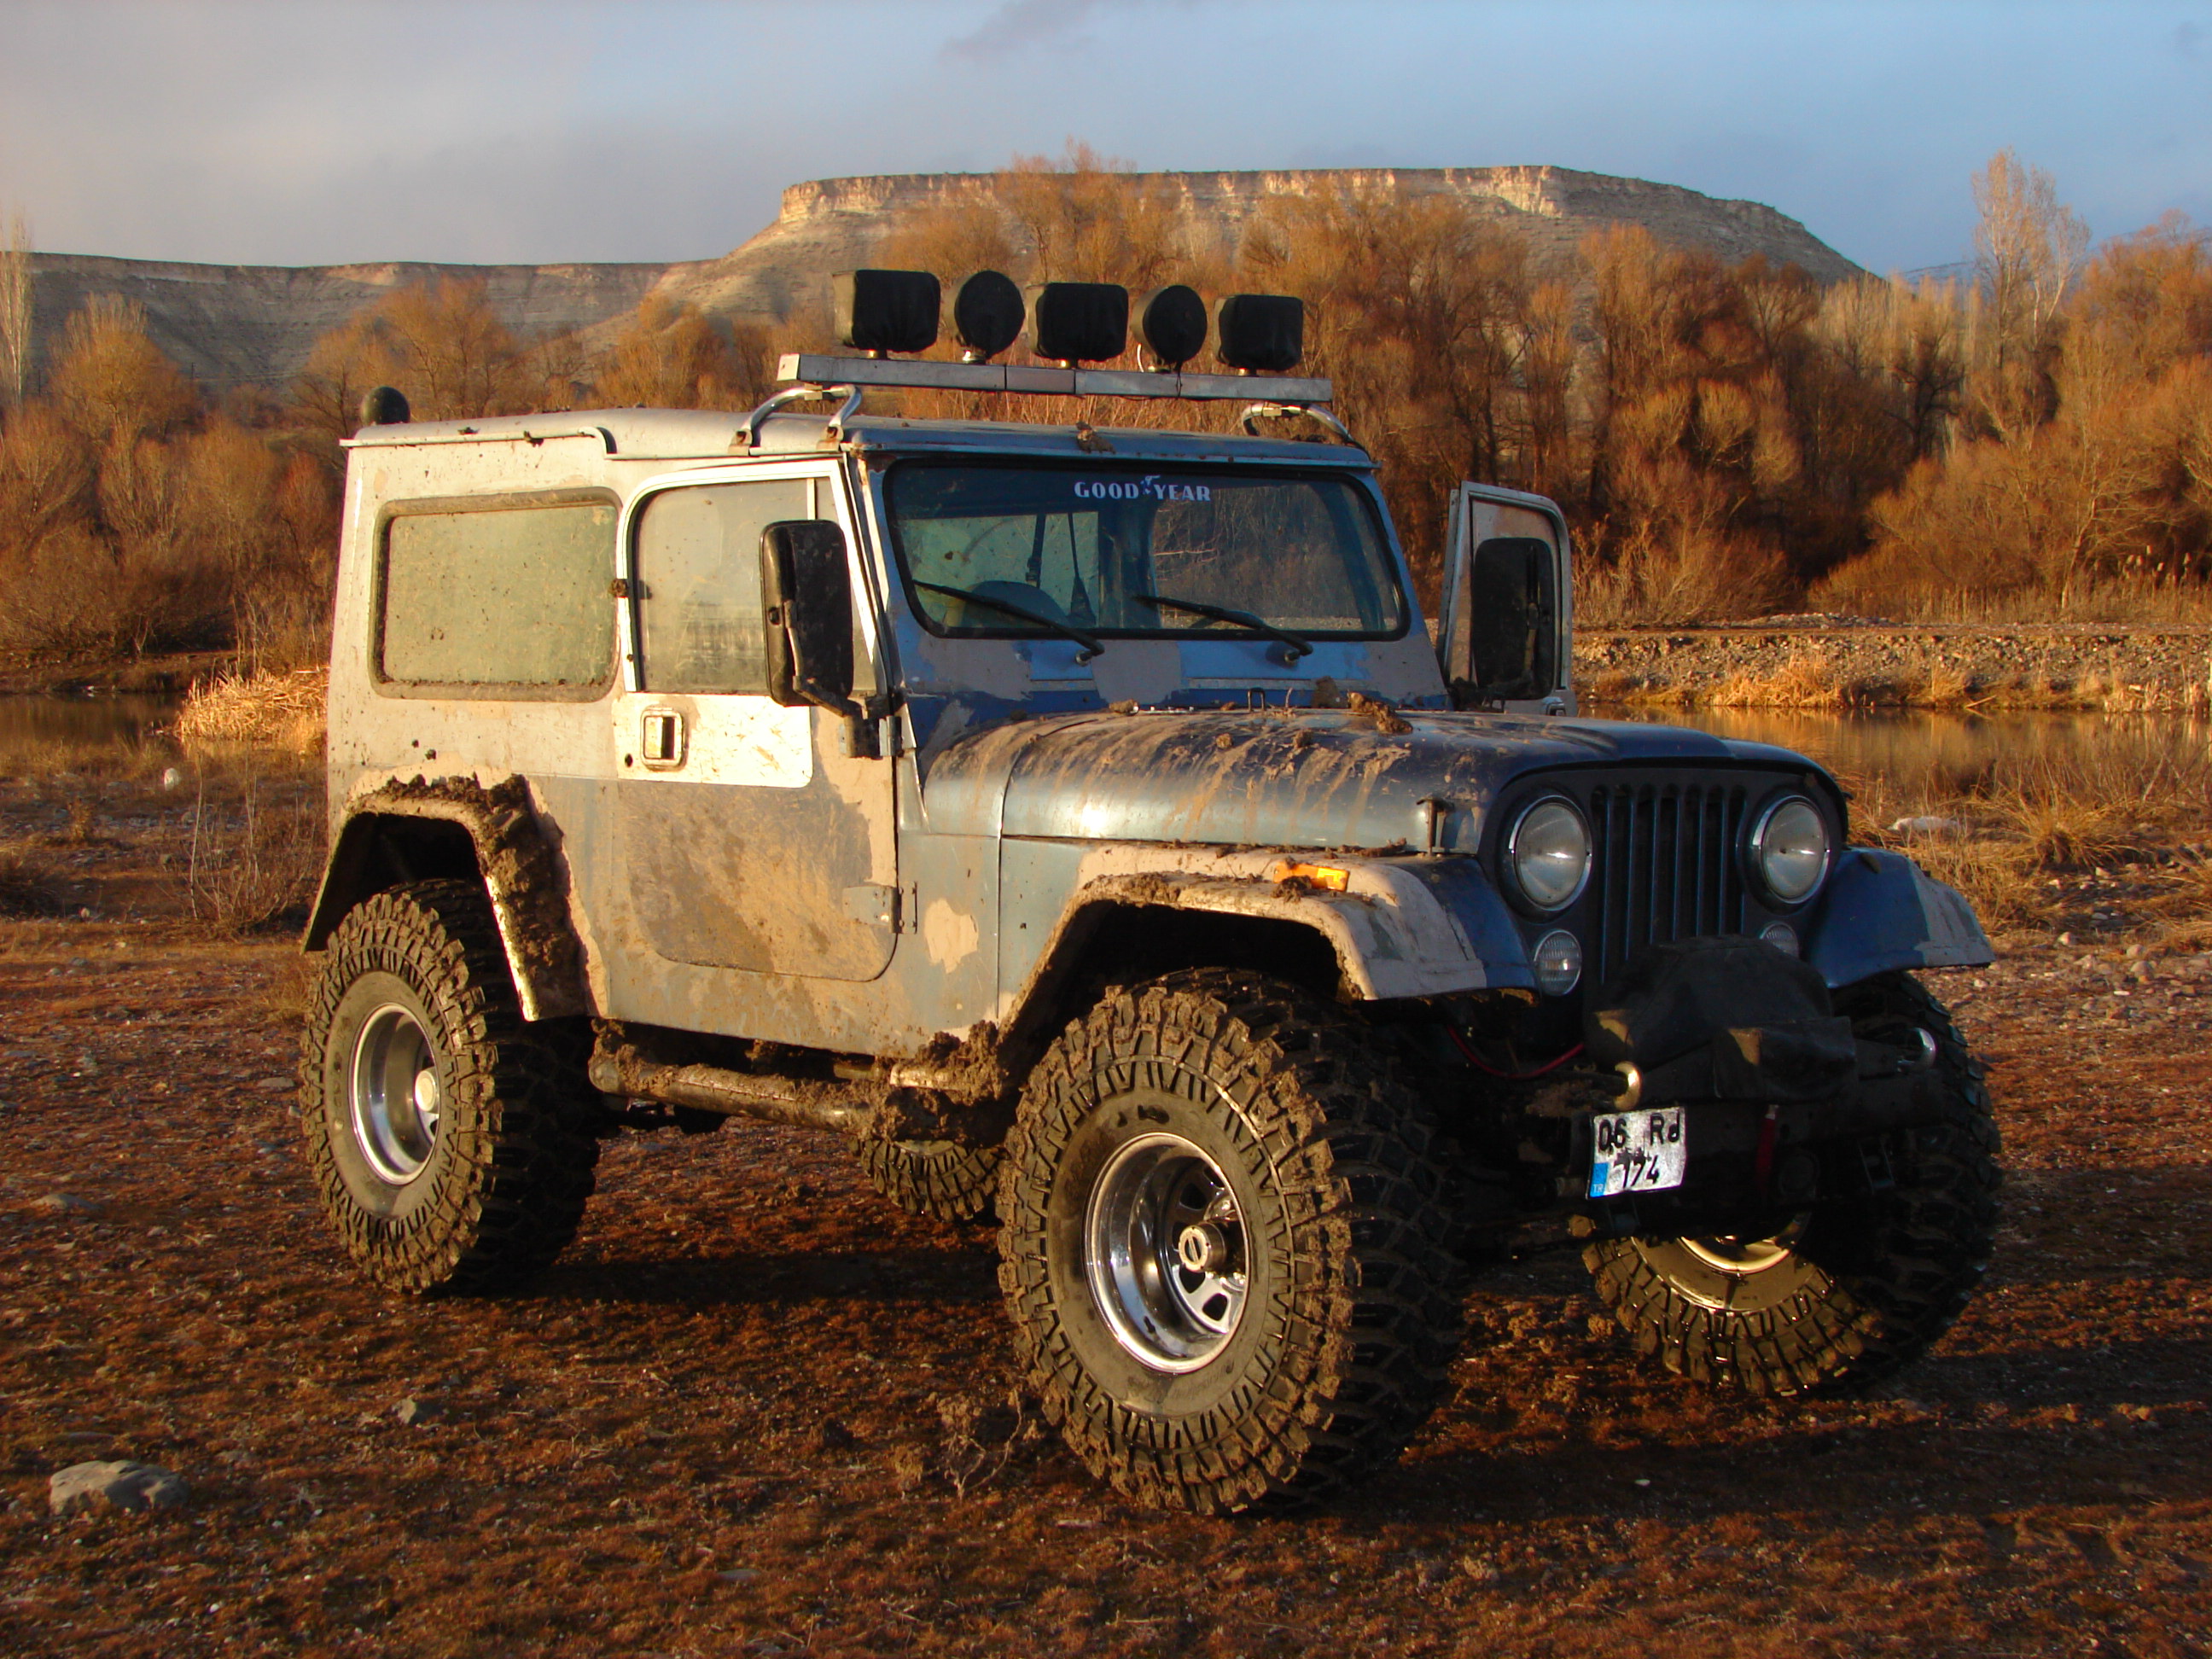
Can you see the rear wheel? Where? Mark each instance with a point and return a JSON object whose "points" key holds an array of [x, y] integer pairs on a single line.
{"points": [[450, 1139], [1850, 1292], [941, 1178], [1224, 1245]]}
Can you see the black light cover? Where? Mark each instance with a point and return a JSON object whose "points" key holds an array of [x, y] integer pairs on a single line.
{"points": [[886, 310], [987, 315], [385, 405], [1264, 332], [1078, 322], [1171, 322]]}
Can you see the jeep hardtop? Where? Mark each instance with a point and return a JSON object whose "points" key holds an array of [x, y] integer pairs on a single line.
{"points": [[1084, 822]]}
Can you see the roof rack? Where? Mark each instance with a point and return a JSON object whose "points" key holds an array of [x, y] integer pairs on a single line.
{"points": [[805, 369]]}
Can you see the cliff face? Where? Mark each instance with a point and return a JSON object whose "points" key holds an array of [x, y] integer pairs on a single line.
{"points": [[229, 325], [835, 224], [242, 325]]}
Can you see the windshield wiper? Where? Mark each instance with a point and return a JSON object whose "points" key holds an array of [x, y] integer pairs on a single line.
{"points": [[1222, 613], [1092, 644]]}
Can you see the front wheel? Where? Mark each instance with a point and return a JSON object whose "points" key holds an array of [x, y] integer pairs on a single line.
{"points": [[449, 1139], [1848, 1293], [1224, 1245]]}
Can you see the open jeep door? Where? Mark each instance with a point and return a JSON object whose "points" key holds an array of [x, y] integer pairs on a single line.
{"points": [[1505, 635]]}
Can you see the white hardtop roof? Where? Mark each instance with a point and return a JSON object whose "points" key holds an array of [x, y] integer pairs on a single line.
{"points": [[672, 434]]}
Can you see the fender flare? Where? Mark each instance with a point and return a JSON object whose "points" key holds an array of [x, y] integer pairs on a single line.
{"points": [[1403, 927], [522, 874], [1881, 912]]}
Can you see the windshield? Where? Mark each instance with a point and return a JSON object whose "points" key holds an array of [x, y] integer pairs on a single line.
{"points": [[998, 549]]}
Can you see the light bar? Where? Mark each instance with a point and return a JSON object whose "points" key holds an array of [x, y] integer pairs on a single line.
{"points": [[805, 369]]}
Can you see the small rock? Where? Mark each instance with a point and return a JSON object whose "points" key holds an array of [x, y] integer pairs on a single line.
{"points": [[1926, 825], [2066, 939], [738, 1574], [171, 778], [133, 1488], [274, 1085], [412, 1411], [65, 1204]]}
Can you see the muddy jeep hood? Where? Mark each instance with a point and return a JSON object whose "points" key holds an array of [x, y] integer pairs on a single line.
{"points": [[1311, 778]]}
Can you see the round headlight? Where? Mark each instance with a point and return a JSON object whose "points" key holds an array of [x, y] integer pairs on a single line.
{"points": [[1548, 853], [1791, 847], [1557, 960]]}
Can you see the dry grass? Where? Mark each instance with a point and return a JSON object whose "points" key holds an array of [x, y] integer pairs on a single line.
{"points": [[2016, 834], [272, 711]]}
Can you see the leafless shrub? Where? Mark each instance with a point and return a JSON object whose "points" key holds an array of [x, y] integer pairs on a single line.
{"points": [[248, 870]]}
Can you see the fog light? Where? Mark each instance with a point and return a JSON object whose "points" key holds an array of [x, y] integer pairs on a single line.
{"points": [[1557, 960], [1781, 936]]}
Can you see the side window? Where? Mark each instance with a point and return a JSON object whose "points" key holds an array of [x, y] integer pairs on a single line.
{"points": [[697, 572], [501, 596]]}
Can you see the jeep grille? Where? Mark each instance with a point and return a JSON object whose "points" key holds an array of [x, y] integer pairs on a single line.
{"points": [[1666, 867]]}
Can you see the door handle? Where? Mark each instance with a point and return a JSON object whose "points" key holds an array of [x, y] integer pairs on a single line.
{"points": [[660, 739]]}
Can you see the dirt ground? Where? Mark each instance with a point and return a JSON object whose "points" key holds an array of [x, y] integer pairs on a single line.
{"points": [[755, 1410]]}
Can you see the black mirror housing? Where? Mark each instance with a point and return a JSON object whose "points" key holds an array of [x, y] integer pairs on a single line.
{"points": [[806, 607]]}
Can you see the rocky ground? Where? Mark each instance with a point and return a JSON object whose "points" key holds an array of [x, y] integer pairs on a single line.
{"points": [[1844, 661], [755, 1410]]}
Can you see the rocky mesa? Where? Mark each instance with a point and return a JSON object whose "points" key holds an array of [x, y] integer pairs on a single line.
{"points": [[233, 325]]}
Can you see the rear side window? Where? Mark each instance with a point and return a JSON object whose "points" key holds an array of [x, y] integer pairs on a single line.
{"points": [[499, 596]]}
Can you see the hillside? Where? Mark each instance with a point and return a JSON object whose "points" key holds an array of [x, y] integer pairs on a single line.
{"points": [[254, 325]]}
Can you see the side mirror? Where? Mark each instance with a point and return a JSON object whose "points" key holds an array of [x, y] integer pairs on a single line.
{"points": [[1510, 613], [806, 605]]}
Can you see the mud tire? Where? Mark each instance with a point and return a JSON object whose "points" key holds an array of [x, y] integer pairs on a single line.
{"points": [[1871, 1283], [503, 1187], [940, 1178], [1353, 1311]]}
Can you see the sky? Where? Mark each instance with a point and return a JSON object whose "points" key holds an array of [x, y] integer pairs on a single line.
{"points": [[292, 132]]}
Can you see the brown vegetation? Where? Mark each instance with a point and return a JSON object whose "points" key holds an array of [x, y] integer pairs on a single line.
{"points": [[1727, 441]]}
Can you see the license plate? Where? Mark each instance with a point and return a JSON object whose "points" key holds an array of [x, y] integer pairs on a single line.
{"points": [[1637, 1152]]}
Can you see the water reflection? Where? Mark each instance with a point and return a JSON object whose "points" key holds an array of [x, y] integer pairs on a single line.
{"points": [[34, 722], [1918, 752]]}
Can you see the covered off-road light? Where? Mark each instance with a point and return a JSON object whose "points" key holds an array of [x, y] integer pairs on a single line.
{"points": [[1171, 324], [879, 311], [1078, 322], [1260, 334], [1789, 849], [987, 315], [1548, 853]]}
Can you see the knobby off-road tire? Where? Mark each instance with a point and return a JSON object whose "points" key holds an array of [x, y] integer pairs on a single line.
{"points": [[940, 1178], [1263, 1129], [486, 1190], [1862, 1286]]}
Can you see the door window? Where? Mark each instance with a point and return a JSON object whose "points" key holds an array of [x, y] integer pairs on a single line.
{"points": [[697, 572]]}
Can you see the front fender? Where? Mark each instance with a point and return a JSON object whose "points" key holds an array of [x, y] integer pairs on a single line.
{"points": [[1882, 913]]}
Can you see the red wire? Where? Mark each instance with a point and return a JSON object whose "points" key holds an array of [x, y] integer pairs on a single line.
{"points": [[1482, 1065]]}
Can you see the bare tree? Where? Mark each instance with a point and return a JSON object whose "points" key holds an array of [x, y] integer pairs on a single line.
{"points": [[16, 310], [2028, 248]]}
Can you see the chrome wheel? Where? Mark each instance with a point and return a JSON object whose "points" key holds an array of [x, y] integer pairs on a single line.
{"points": [[394, 1095], [1164, 1246], [1731, 1263]]}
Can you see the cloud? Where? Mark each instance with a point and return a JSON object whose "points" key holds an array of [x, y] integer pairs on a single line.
{"points": [[1019, 24]]}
